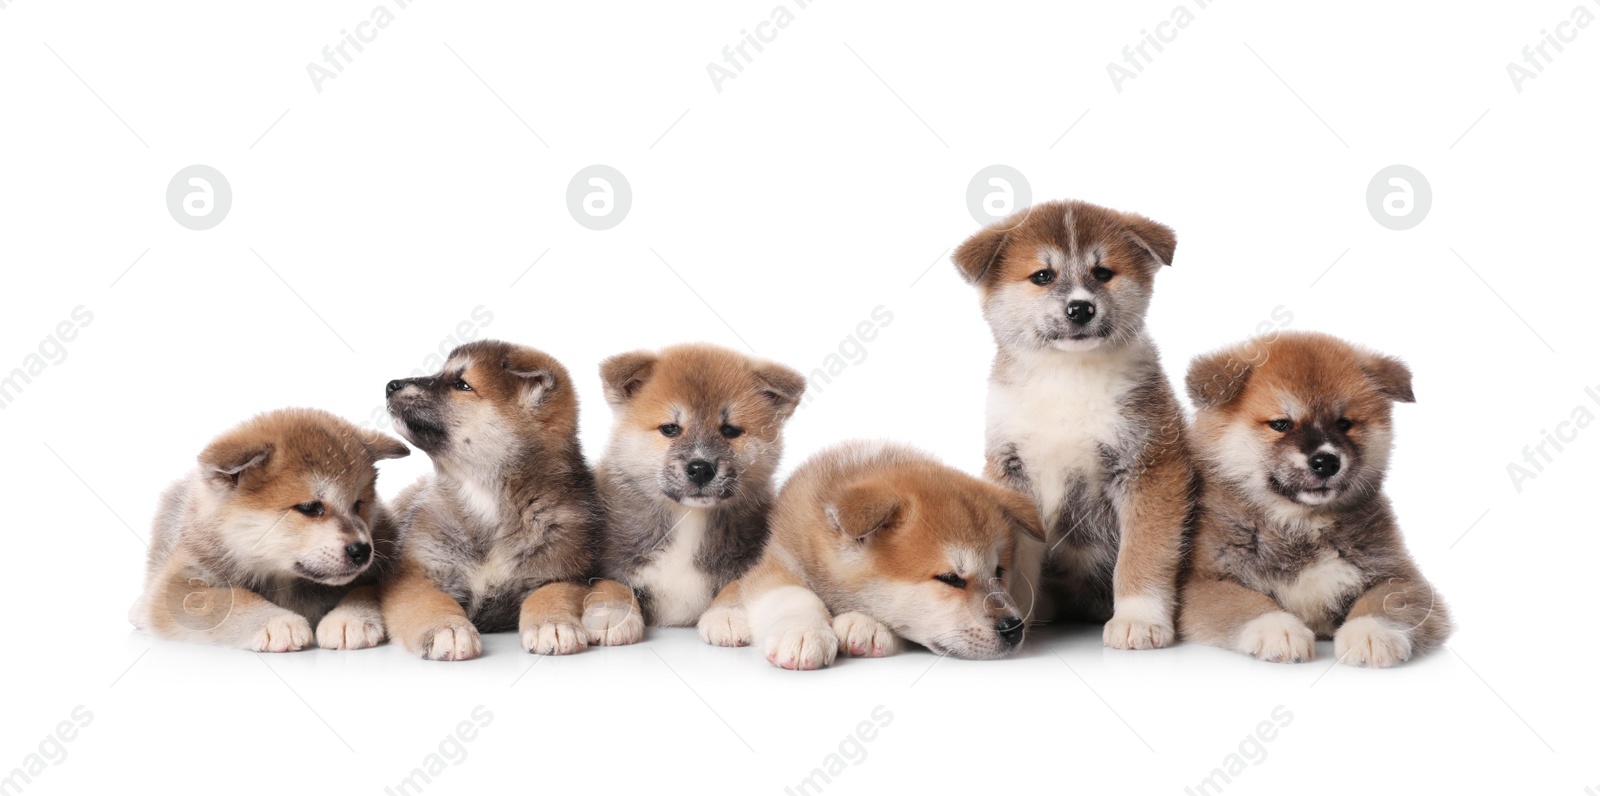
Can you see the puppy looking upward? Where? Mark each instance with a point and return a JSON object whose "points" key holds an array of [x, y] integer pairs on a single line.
{"points": [[687, 479], [501, 536], [1081, 417]]}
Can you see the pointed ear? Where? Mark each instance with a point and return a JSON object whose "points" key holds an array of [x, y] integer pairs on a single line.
{"points": [[383, 446], [1157, 239], [1391, 376], [623, 375], [863, 508], [1019, 510], [228, 457], [981, 253], [782, 386], [537, 384], [1217, 378]]}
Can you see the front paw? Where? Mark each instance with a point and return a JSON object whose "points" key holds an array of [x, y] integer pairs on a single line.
{"points": [[555, 638], [1366, 641], [862, 635], [285, 633], [725, 626], [1278, 637], [802, 647], [1139, 629], [455, 639], [611, 625], [349, 631]]}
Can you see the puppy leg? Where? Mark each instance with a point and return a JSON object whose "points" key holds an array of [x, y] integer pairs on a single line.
{"points": [[190, 608], [1392, 621], [424, 620], [355, 623], [1224, 614], [552, 619], [726, 623], [790, 621], [1145, 581], [611, 614], [862, 635]]}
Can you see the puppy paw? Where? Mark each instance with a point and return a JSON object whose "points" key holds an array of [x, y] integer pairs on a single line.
{"points": [[555, 638], [1278, 637], [725, 626], [286, 633], [802, 647], [349, 631], [1367, 641], [862, 635], [1139, 627], [453, 640], [612, 625]]}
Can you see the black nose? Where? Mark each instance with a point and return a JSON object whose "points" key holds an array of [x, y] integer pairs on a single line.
{"points": [[358, 552], [1325, 465], [1010, 630], [393, 387], [700, 471], [1080, 311]]}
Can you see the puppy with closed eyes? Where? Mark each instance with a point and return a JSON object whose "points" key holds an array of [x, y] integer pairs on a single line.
{"points": [[1295, 539], [502, 535], [278, 531], [1081, 417], [687, 478]]}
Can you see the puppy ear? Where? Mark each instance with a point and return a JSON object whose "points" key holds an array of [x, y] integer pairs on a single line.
{"points": [[864, 508], [980, 253], [1020, 510], [383, 446], [228, 457], [537, 384], [1391, 376], [1157, 239], [782, 386], [1217, 378], [623, 375]]}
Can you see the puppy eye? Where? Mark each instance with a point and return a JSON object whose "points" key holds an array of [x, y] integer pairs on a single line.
{"points": [[671, 429], [999, 573], [1043, 276], [462, 385], [1280, 425], [1101, 274], [731, 431], [310, 509], [356, 509], [1344, 424], [951, 579]]}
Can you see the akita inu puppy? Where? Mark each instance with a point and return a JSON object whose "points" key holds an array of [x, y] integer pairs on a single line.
{"points": [[1295, 539], [687, 479], [278, 531], [502, 535], [1081, 417], [874, 542]]}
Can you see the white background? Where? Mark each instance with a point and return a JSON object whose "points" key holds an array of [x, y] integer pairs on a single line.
{"points": [[827, 179]]}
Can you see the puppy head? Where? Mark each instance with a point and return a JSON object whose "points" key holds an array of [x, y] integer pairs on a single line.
{"points": [[492, 405], [1302, 419], [295, 491], [698, 420], [928, 550], [1066, 275]]}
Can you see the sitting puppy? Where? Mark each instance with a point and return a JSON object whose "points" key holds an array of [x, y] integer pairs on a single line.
{"points": [[278, 531], [1295, 539], [501, 536], [687, 479], [873, 542], [1081, 417]]}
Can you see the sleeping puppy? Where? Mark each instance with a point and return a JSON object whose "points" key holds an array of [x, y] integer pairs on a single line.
{"points": [[1295, 539], [278, 531], [687, 479], [501, 536], [872, 543], [1081, 417]]}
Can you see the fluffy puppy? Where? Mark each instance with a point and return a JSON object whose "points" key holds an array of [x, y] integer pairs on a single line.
{"points": [[277, 531], [874, 542], [1081, 417], [501, 536], [687, 479], [1295, 539]]}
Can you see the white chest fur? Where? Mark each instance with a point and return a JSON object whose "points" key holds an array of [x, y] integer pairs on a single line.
{"points": [[679, 591], [1318, 590], [1057, 408]]}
